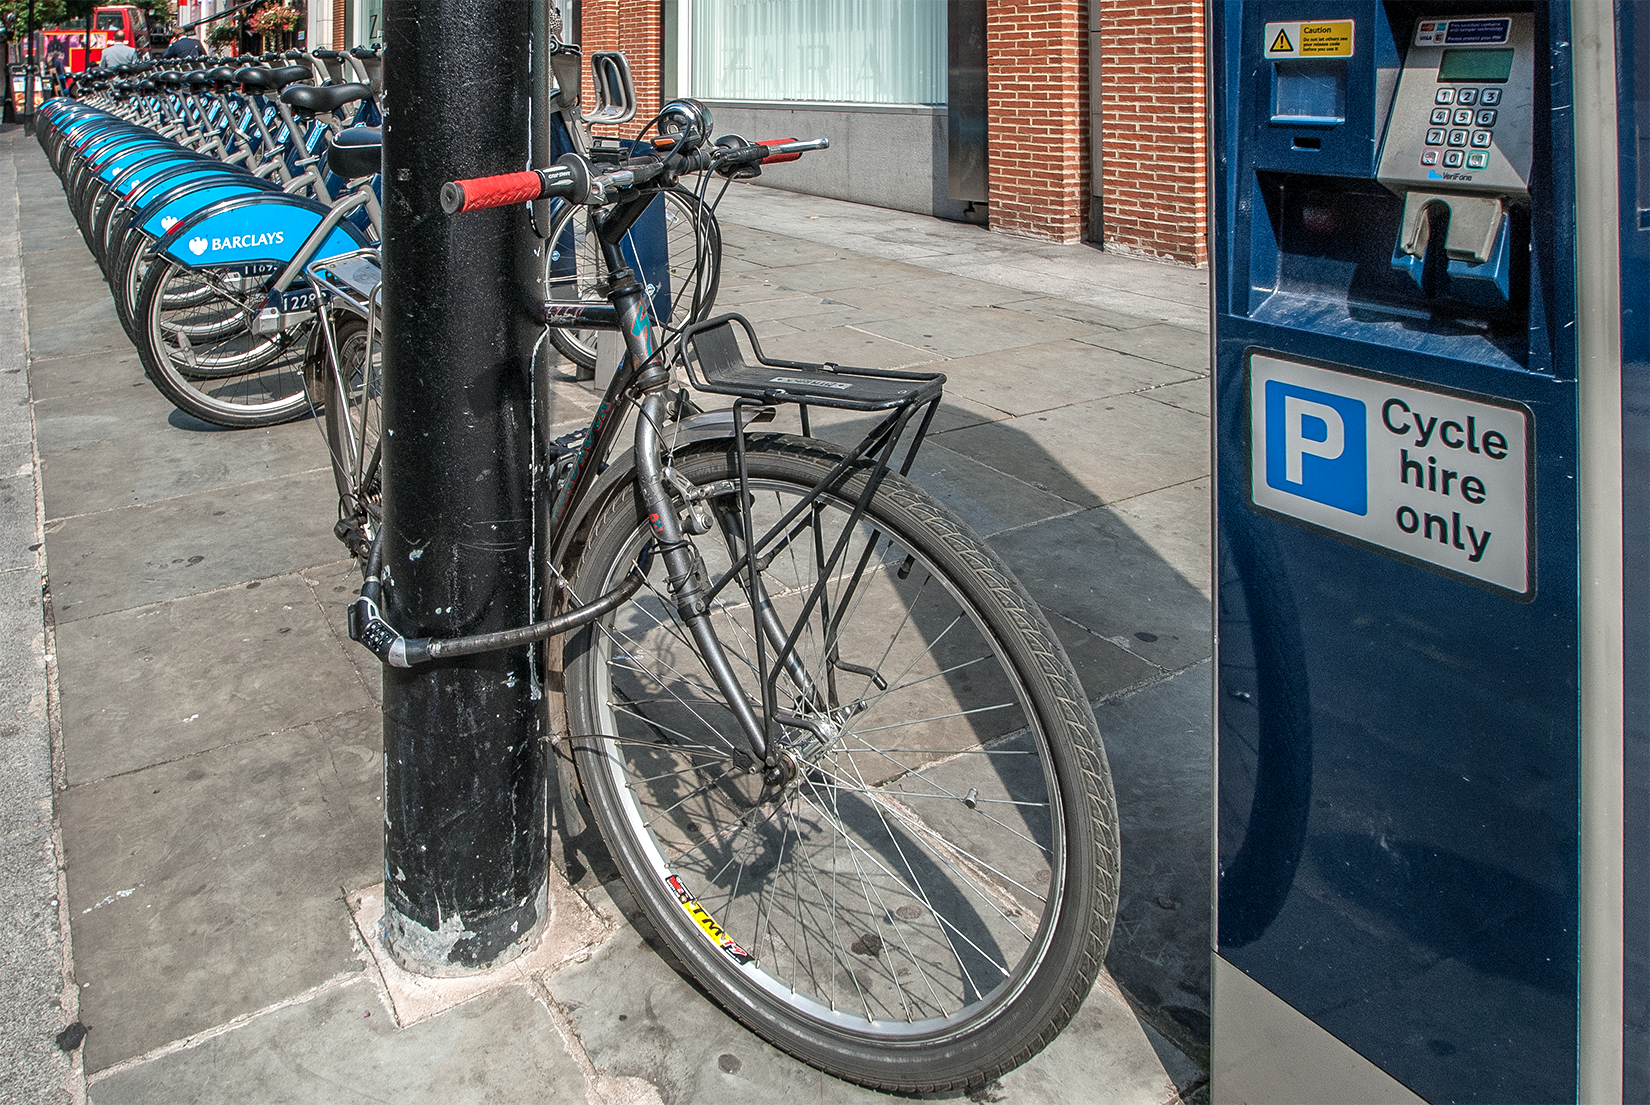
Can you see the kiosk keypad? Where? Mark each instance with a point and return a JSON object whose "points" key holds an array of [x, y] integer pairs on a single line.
{"points": [[1463, 103]]}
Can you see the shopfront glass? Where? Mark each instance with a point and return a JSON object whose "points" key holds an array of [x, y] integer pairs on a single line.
{"points": [[837, 51]]}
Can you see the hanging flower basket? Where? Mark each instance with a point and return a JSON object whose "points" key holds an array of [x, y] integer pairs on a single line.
{"points": [[275, 25]]}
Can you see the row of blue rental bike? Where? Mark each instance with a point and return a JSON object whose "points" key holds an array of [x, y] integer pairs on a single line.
{"points": [[206, 194], [235, 210]]}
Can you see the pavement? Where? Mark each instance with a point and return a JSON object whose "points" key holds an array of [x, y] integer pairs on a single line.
{"points": [[190, 754]]}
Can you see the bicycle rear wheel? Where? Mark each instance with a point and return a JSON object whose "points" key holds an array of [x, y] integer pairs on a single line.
{"points": [[196, 346], [926, 898]]}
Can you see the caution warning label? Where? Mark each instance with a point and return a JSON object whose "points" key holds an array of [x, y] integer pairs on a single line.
{"points": [[1330, 38]]}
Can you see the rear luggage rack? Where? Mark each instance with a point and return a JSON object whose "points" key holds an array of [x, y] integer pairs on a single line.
{"points": [[716, 363]]}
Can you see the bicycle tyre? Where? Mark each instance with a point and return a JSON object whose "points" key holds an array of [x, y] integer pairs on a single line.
{"points": [[932, 870], [234, 378], [687, 223]]}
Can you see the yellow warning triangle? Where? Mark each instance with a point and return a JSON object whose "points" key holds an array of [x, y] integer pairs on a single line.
{"points": [[1281, 44]]}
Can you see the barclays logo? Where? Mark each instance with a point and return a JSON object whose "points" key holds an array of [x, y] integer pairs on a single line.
{"points": [[197, 246], [168, 222]]}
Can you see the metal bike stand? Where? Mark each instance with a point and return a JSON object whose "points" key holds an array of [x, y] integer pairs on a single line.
{"points": [[465, 771]]}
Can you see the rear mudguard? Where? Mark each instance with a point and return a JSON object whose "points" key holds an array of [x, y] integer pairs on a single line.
{"points": [[161, 212], [265, 227], [155, 181]]}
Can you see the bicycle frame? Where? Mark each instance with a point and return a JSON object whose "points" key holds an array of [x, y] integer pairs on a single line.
{"points": [[643, 380]]}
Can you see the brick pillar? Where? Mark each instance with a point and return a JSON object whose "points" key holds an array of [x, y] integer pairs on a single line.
{"points": [[635, 27], [1152, 154], [1037, 81]]}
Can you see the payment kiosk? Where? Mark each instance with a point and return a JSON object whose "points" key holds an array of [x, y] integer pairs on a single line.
{"points": [[1432, 431]]}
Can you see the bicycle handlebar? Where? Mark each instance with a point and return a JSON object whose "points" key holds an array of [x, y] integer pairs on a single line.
{"points": [[568, 178], [790, 149]]}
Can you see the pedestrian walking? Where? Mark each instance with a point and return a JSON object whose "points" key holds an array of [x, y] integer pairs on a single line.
{"points": [[184, 46], [117, 52]]}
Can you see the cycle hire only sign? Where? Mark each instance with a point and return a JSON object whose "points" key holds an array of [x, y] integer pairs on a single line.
{"points": [[1437, 476]]}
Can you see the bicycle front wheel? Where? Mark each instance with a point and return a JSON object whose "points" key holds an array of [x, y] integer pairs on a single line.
{"points": [[926, 896], [575, 269], [351, 411]]}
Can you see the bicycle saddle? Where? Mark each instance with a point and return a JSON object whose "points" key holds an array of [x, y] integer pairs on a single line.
{"points": [[254, 77], [198, 79], [331, 97], [357, 151], [169, 79], [146, 86], [222, 74], [287, 74]]}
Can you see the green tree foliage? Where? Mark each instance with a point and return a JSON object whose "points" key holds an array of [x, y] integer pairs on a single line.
{"points": [[48, 13]]}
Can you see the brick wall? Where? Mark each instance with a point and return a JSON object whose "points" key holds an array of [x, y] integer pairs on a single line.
{"points": [[1149, 80], [637, 28], [1037, 88], [1152, 129]]}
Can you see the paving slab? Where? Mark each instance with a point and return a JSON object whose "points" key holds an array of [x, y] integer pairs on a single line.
{"points": [[119, 448], [1036, 378], [157, 683], [1173, 345], [1099, 451], [76, 323], [638, 1018], [95, 415], [953, 333], [342, 1045], [847, 345], [117, 559], [988, 500], [117, 370], [1143, 289], [333, 587], [1094, 569], [1098, 317], [1173, 522], [1192, 395], [1161, 752], [210, 887]]}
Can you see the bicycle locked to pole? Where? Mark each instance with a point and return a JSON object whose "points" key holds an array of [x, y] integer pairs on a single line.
{"points": [[830, 741]]}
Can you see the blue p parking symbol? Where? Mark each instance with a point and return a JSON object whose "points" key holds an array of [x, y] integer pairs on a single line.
{"points": [[1316, 446]]}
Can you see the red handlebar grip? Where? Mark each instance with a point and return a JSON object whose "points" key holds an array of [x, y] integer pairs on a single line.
{"points": [[498, 191], [776, 158]]}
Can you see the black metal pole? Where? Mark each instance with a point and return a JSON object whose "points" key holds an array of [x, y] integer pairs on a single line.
{"points": [[465, 768]]}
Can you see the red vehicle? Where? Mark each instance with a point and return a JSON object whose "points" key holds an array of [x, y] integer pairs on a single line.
{"points": [[131, 21]]}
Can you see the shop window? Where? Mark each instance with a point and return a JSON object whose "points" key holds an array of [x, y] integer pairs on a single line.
{"points": [[835, 51]]}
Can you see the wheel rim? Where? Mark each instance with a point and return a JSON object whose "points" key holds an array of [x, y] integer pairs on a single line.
{"points": [[202, 344], [873, 900]]}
